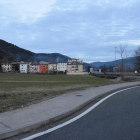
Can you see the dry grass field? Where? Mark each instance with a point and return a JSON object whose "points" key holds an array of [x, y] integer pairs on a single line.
{"points": [[19, 90]]}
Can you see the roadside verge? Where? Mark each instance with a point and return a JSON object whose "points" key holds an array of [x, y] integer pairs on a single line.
{"points": [[23, 120]]}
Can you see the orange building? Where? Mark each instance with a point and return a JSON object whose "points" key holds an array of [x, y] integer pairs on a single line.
{"points": [[43, 68]]}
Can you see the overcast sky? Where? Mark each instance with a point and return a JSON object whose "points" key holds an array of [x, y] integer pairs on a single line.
{"points": [[85, 29]]}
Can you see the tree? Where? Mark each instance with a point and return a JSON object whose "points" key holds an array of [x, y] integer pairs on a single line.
{"points": [[103, 68], [137, 57], [110, 68], [123, 54], [88, 68]]}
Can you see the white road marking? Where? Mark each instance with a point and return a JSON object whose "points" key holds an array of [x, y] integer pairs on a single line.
{"points": [[76, 118]]}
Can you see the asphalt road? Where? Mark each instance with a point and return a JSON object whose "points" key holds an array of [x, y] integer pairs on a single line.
{"points": [[117, 118]]}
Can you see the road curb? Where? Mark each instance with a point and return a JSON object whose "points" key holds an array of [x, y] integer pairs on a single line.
{"points": [[24, 129]]}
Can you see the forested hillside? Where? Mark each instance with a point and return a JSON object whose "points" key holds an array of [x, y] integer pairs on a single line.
{"points": [[6, 57], [19, 53], [129, 62], [26, 55]]}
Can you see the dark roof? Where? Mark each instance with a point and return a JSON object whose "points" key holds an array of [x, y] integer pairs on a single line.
{"points": [[15, 63], [62, 62], [43, 64], [73, 58], [34, 64], [74, 63], [25, 63], [53, 63], [5, 63]]}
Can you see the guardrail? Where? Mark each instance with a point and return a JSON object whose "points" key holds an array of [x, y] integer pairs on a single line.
{"points": [[111, 76]]}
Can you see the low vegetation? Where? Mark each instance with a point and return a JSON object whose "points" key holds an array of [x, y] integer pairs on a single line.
{"points": [[20, 90], [126, 73]]}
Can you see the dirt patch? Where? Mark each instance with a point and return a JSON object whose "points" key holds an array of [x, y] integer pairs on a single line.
{"points": [[117, 80]]}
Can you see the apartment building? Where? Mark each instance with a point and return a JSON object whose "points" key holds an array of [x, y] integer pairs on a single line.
{"points": [[34, 68], [52, 67], [24, 67], [6, 67], [61, 67], [70, 60], [43, 68], [74, 68], [15, 66]]}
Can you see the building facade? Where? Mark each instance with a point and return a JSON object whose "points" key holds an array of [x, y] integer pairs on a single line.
{"points": [[15, 67], [24, 67], [61, 67], [52, 67], [6, 67], [43, 68], [74, 60], [34, 68], [74, 68]]}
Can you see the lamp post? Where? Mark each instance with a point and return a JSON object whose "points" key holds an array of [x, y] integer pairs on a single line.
{"points": [[115, 60]]}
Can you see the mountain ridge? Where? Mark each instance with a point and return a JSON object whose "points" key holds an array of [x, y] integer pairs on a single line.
{"points": [[25, 55], [129, 62]]}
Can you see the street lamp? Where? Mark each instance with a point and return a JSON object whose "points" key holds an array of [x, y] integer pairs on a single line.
{"points": [[115, 60]]}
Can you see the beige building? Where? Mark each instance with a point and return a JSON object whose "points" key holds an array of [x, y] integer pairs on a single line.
{"points": [[74, 68], [74, 60], [52, 68]]}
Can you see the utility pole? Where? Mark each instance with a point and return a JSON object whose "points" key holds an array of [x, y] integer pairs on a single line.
{"points": [[115, 60]]}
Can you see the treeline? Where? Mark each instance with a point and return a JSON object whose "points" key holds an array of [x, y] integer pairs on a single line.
{"points": [[6, 57], [125, 68]]}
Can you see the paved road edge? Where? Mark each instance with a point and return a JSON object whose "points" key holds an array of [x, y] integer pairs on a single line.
{"points": [[57, 118]]}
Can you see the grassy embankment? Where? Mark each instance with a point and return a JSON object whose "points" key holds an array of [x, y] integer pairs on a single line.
{"points": [[19, 90]]}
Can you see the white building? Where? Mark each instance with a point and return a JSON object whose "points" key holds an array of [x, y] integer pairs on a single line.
{"points": [[91, 70], [6, 67], [61, 67], [24, 67]]}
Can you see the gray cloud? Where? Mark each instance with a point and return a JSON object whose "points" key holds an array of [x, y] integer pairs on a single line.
{"points": [[89, 30]]}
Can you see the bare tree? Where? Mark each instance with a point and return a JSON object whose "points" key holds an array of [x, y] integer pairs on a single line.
{"points": [[103, 68], [123, 54], [137, 57]]}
